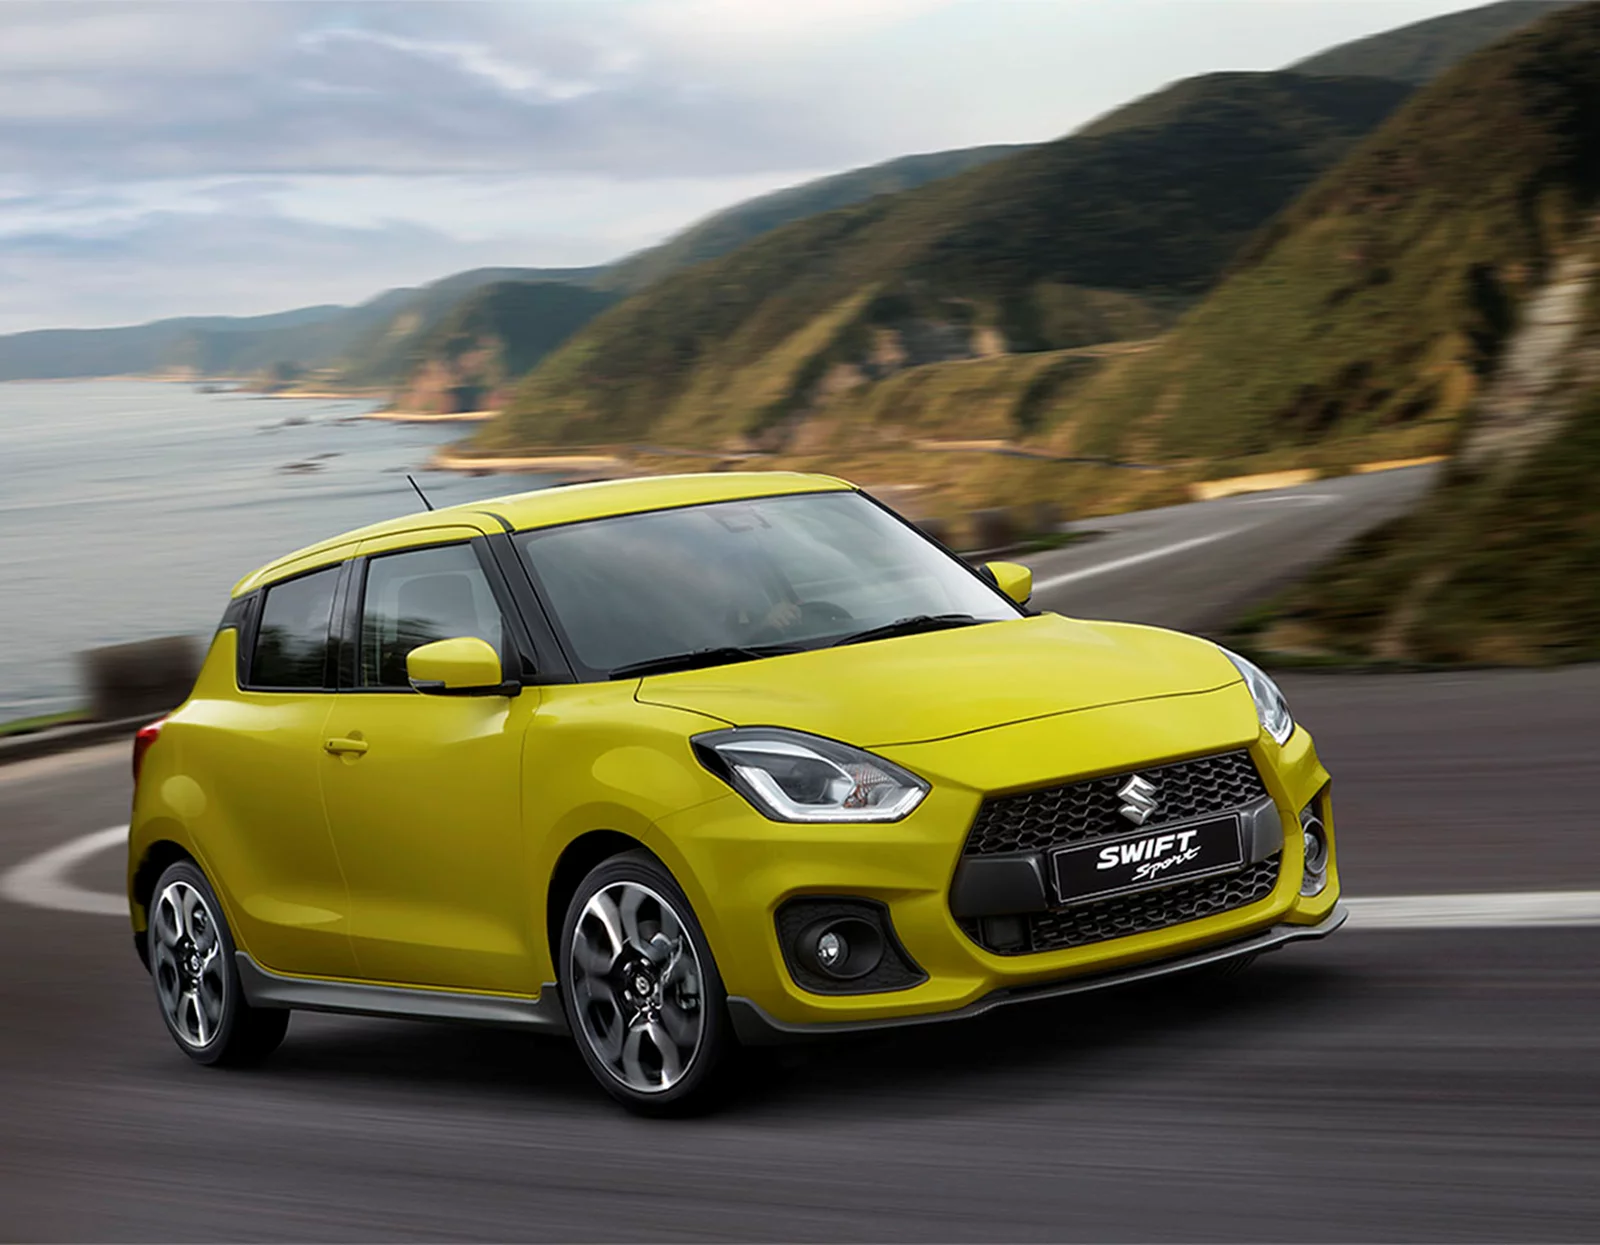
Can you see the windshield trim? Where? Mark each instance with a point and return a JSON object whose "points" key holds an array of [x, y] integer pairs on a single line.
{"points": [[583, 672]]}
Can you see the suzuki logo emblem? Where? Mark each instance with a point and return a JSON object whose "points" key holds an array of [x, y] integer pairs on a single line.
{"points": [[1140, 799]]}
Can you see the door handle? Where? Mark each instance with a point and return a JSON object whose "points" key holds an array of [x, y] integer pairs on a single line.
{"points": [[339, 746]]}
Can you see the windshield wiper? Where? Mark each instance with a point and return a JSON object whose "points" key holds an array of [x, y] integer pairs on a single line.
{"points": [[911, 626], [701, 657]]}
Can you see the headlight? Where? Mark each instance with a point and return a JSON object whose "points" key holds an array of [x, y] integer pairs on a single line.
{"points": [[790, 776], [1271, 707]]}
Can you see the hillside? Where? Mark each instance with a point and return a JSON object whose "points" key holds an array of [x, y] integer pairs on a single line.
{"points": [[49, 354], [1091, 238], [382, 341], [390, 346], [371, 336], [1502, 563], [1373, 310], [731, 228], [489, 338], [1421, 52]]}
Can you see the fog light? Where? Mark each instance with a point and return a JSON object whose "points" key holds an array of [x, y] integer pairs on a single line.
{"points": [[832, 950], [844, 948], [1314, 837], [843, 945]]}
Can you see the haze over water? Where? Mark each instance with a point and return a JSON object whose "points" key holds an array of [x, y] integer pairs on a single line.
{"points": [[128, 509]]}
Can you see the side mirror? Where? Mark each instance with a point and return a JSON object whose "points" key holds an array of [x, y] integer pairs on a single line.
{"points": [[1013, 579], [466, 666]]}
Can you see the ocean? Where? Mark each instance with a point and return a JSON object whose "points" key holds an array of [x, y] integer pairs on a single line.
{"points": [[128, 509]]}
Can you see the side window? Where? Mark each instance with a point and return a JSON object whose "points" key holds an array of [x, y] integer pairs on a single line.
{"points": [[291, 648], [418, 597]]}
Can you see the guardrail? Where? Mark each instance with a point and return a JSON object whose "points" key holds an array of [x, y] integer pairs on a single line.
{"points": [[125, 685]]}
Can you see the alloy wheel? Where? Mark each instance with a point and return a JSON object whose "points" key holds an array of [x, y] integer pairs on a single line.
{"points": [[636, 986], [188, 963]]}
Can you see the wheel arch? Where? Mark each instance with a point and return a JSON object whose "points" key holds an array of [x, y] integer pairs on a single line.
{"points": [[158, 857], [580, 856]]}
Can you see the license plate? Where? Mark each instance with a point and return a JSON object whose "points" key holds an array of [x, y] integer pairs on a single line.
{"points": [[1141, 861]]}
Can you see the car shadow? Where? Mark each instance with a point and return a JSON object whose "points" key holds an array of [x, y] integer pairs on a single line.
{"points": [[1055, 1048]]}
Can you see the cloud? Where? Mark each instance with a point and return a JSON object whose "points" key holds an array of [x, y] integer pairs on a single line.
{"points": [[148, 250], [158, 158], [90, 93], [472, 59]]}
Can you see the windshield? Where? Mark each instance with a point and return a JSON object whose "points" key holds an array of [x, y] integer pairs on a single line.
{"points": [[739, 579]]}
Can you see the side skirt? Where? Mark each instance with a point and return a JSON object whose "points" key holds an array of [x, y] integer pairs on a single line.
{"points": [[264, 988]]}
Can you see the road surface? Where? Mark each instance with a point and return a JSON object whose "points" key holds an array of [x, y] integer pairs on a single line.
{"points": [[1426, 1083]]}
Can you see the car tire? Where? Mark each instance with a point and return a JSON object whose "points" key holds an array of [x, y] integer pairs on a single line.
{"points": [[191, 958], [642, 994]]}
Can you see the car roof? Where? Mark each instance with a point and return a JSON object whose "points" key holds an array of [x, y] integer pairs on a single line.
{"points": [[547, 507]]}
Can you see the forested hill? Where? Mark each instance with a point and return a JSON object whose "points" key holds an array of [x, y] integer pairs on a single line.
{"points": [[1422, 51], [1090, 238]]}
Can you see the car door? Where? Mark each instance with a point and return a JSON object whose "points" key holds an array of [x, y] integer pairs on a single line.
{"points": [[423, 792], [265, 835]]}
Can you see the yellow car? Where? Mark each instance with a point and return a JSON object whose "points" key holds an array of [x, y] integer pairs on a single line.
{"points": [[679, 763]]}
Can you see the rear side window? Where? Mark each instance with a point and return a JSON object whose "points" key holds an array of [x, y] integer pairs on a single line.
{"points": [[292, 646], [418, 597]]}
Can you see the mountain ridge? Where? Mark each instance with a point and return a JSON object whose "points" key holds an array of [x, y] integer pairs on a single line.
{"points": [[1093, 237]]}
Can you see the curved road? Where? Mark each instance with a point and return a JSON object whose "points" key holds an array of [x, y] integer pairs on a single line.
{"points": [[1421, 1083]]}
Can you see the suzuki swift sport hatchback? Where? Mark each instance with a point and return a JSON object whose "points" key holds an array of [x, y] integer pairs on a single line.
{"points": [[676, 763]]}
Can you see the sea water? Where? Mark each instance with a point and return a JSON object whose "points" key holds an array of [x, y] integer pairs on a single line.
{"points": [[128, 509]]}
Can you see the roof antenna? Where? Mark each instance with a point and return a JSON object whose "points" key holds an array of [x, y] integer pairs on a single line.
{"points": [[420, 493]]}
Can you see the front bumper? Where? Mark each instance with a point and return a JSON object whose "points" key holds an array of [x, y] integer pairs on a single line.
{"points": [[739, 868], [756, 1027]]}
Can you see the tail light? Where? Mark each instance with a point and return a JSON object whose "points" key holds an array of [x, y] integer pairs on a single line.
{"points": [[141, 744]]}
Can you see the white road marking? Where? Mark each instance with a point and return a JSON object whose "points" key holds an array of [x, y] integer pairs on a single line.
{"points": [[1504, 911], [44, 882], [1133, 559]]}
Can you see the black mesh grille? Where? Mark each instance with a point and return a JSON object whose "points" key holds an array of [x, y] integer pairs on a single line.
{"points": [[1087, 810], [1103, 919]]}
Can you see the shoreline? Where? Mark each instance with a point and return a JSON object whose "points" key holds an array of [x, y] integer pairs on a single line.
{"points": [[426, 417], [446, 460]]}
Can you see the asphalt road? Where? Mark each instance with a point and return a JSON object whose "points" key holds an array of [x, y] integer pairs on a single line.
{"points": [[1200, 566], [1423, 1085]]}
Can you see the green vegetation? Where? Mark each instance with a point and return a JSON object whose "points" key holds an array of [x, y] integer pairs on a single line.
{"points": [[1421, 52], [1084, 240], [393, 344], [731, 228], [1374, 309], [1498, 567], [487, 339], [26, 726]]}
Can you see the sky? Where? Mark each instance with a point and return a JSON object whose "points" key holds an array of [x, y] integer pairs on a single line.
{"points": [[242, 157]]}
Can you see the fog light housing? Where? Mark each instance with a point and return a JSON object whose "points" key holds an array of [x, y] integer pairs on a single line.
{"points": [[1314, 837], [843, 946]]}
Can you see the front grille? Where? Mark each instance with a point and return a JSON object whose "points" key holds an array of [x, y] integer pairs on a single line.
{"points": [[1118, 917], [1035, 820]]}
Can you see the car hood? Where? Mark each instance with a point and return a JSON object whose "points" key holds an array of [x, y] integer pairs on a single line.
{"points": [[946, 683]]}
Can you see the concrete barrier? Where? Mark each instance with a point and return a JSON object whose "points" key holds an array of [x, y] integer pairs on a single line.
{"points": [[1396, 464], [148, 677], [1210, 490], [1043, 517], [446, 460], [994, 529]]}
